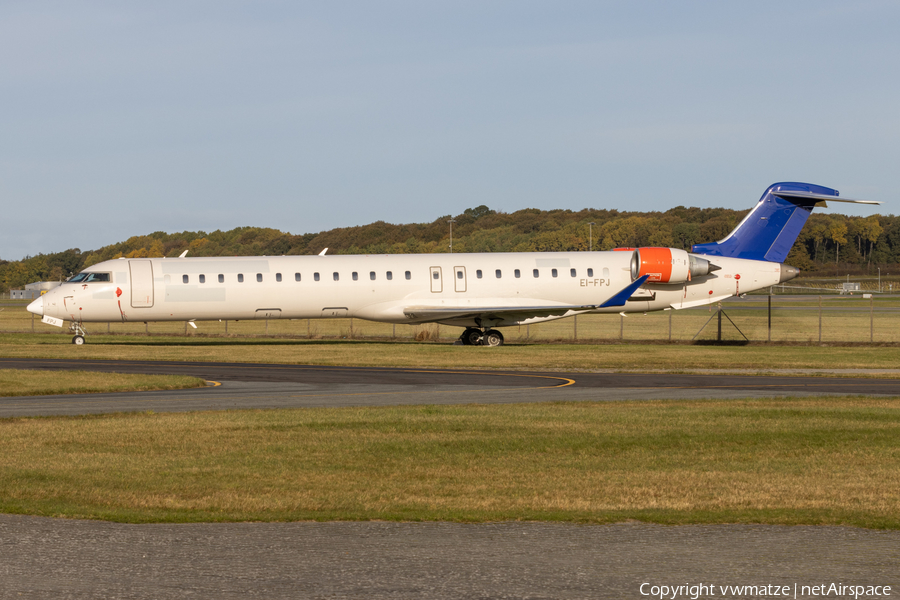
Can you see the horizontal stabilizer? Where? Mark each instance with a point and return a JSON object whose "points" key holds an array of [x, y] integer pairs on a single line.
{"points": [[819, 198]]}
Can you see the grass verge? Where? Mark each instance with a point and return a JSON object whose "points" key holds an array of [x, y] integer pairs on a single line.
{"points": [[23, 382], [541, 357], [811, 461]]}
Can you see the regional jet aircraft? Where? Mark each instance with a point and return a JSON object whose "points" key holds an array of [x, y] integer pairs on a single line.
{"points": [[479, 292]]}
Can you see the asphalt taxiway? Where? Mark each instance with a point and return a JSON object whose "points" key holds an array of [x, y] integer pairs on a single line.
{"points": [[256, 385]]}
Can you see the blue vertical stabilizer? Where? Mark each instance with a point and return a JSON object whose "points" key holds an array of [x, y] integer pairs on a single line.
{"points": [[770, 229]]}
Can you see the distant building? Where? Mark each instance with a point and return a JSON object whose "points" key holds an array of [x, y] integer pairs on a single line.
{"points": [[33, 290]]}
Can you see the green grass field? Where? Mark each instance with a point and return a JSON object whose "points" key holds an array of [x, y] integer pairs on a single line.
{"points": [[632, 356], [789, 461], [21, 382]]}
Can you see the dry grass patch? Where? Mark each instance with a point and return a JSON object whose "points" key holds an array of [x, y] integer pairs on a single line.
{"points": [[23, 382], [772, 461]]}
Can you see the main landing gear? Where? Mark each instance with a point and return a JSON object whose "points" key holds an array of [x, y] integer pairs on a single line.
{"points": [[475, 337], [78, 340]]}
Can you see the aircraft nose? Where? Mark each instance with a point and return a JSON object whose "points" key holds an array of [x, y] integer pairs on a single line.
{"points": [[37, 307]]}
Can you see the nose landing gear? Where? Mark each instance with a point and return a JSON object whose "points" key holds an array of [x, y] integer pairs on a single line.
{"points": [[473, 336], [78, 339]]}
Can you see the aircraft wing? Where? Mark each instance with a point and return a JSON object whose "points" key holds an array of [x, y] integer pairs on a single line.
{"points": [[517, 313]]}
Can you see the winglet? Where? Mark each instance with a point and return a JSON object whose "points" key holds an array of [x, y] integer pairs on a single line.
{"points": [[623, 296], [322, 253]]}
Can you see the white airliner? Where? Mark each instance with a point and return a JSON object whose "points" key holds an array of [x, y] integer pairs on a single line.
{"points": [[480, 292]]}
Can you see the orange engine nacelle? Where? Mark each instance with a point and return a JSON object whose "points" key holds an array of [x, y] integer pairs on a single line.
{"points": [[668, 265]]}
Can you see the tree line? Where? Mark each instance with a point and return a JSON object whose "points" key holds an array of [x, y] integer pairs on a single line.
{"points": [[828, 244]]}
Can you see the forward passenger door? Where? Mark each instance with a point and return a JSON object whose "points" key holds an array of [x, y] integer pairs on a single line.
{"points": [[459, 279], [437, 284]]}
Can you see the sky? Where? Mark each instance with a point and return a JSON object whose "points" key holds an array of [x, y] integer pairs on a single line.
{"points": [[124, 118]]}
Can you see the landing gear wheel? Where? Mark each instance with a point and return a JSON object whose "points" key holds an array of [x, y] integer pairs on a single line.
{"points": [[78, 340], [471, 337], [492, 338]]}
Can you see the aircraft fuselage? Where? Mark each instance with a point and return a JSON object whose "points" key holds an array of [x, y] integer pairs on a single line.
{"points": [[456, 289]]}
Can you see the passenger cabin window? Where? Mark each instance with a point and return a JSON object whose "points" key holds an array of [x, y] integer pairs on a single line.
{"points": [[590, 272], [240, 278], [202, 278], [185, 278], [498, 273], [372, 275], [536, 273], [478, 273], [408, 275], [221, 278], [517, 273], [296, 276], [553, 272], [435, 275], [336, 276], [355, 276], [458, 274], [572, 272], [278, 277], [259, 277], [389, 275], [316, 276]]}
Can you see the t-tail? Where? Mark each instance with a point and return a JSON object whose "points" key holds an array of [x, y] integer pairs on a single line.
{"points": [[771, 228]]}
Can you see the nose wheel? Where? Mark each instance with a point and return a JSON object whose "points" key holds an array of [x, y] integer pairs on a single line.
{"points": [[78, 340]]}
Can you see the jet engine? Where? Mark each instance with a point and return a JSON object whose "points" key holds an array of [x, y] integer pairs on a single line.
{"points": [[668, 265]]}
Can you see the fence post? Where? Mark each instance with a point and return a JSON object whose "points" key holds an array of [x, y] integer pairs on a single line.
{"points": [[146, 328], [575, 326], [621, 326], [769, 336], [394, 331], [351, 328], [107, 327], [670, 324], [267, 325], [185, 328], [820, 319], [308, 331], [719, 314], [872, 319], [226, 326], [32, 322]]}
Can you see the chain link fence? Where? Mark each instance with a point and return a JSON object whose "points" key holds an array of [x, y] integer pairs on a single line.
{"points": [[801, 318]]}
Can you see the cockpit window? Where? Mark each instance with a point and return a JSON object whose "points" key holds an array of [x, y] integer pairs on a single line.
{"points": [[91, 278]]}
